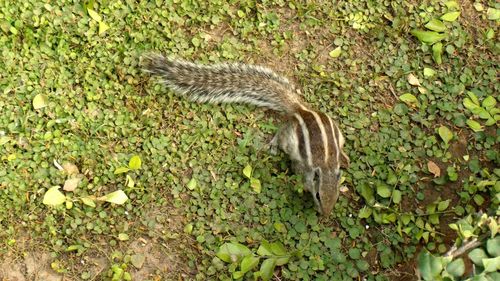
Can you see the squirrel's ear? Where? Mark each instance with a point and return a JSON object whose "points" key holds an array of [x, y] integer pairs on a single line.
{"points": [[344, 160]]}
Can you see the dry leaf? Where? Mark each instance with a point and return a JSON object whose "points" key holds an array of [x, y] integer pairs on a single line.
{"points": [[413, 80], [434, 169], [71, 169], [71, 184]]}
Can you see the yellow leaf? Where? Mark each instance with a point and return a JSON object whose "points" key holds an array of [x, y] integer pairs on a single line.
{"points": [[103, 27], [71, 184], [95, 16], [40, 101], [413, 80]]}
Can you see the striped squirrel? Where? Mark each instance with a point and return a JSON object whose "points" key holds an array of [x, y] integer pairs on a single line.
{"points": [[312, 140]]}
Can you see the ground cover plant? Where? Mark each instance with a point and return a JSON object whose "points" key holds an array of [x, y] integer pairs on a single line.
{"points": [[106, 175]]}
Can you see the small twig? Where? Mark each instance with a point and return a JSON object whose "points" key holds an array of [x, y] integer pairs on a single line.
{"points": [[466, 246]]}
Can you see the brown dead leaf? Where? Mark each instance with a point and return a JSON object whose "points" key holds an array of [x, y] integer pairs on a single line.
{"points": [[71, 184], [434, 169], [413, 80], [70, 168]]}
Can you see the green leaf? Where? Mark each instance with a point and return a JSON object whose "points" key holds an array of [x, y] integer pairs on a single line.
{"points": [[408, 99], [121, 170], [437, 51], [233, 252], [383, 190], [469, 104], [429, 37], [456, 268], [255, 184], [396, 196], [477, 255], [406, 218], [429, 72], [493, 14], [247, 171], [451, 5], [89, 201], [248, 263], [282, 260], [265, 249], [278, 249], [135, 162], [335, 53], [117, 197], [238, 275], [436, 25], [490, 33], [489, 102], [365, 212], [443, 205], [95, 16], [474, 125], [367, 193], [491, 265], [445, 134], [123, 236], [188, 228], [4, 140], [473, 97], [478, 199], [191, 185], [429, 266], [54, 197], [493, 246], [451, 16], [267, 269], [280, 227], [40, 101]]}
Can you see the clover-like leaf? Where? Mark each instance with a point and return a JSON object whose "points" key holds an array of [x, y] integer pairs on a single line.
{"points": [[492, 264], [493, 246], [456, 268], [477, 255], [429, 266], [384, 190]]}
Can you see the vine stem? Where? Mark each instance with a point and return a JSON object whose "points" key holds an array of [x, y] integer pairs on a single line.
{"points": [[467, 245]]}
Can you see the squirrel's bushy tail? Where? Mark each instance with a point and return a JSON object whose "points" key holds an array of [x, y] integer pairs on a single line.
{"points": [[225, 83]]}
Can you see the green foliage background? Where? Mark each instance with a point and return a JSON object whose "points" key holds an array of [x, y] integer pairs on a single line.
{"points": [[352, 60]]}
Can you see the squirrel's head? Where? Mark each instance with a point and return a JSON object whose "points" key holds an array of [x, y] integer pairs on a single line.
{"points": [[323, 183]]}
